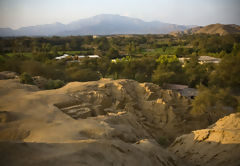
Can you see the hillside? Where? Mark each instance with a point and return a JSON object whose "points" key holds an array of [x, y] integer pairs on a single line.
{"points": [[220, 29], [104, 24]]}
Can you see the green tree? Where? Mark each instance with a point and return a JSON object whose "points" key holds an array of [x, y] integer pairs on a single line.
{"points": [[104, 45], [54, 84], [75, 72], [169, 70], [196, 73], [131, 48], [227, 73], [103, 65], [112, 53], [214, 98], [116, 69]]}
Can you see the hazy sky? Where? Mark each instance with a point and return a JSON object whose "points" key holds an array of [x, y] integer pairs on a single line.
{"points": [[18, 13]]}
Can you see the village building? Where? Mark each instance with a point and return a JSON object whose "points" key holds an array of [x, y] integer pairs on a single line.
{"points": [[202, 60], [62, 57], [78, 57], [93, 56], [81, 56], [184, 90], [208, 59], [183, 60]]}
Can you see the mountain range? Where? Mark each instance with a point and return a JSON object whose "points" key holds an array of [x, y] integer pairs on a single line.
{"points": [[104, 24]]}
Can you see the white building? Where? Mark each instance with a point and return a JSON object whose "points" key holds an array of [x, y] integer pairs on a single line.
{"points": [[182, 60], [208, 59], [202, 59], [93, 56], [81, 56], [62, 57]]}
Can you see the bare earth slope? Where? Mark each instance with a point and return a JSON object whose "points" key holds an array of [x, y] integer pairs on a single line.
{"points": [[106, 122], [94, 123], [220, 29], [44, 115], [218, 145]]}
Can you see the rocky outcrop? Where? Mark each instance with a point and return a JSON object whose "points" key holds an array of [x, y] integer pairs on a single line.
{"points": [[218, 145], [160, 112]]}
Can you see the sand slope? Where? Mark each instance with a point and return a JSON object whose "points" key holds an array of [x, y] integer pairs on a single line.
{"points": [[218, 145]]}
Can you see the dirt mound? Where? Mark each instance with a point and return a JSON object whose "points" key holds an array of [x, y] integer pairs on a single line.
{"points": [[217, 145], [107, 121], [156, 109]]}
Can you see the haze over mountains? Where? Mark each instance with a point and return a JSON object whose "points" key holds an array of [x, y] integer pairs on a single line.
{"points": [[104, 24]]}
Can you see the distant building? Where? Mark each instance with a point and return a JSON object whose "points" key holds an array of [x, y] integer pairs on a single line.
{"points": [[183, 60], [62, 57], [208, 59], [77, 57], [189, 92], [93, 56], [81, 56], [175, 86], [202, 59], [184, 90]]}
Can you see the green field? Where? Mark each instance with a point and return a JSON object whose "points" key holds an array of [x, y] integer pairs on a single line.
{"points": [[161, 51]]}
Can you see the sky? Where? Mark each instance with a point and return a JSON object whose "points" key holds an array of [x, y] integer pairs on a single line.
{"points": [[19, 13]]}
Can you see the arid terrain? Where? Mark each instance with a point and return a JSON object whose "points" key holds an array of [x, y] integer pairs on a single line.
{"points": [[110, 122]]}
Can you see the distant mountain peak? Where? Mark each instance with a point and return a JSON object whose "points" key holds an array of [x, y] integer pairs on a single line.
{"points": [[102, 24]]}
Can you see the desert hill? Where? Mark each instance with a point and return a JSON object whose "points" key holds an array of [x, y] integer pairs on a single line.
{"points": [[221, 29], [106, 122]]}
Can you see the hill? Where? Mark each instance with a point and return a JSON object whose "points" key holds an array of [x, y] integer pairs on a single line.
{"points": [[220, 29], [104, 24]]}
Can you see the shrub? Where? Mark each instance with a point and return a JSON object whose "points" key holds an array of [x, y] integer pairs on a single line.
{"points": [[25, 78], [213, 98], [75, 73], [163, 141], [54, 84]]}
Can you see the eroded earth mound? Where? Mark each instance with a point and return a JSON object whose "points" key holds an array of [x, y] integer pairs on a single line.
{"points": [[218, 145], [106, 122]]}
